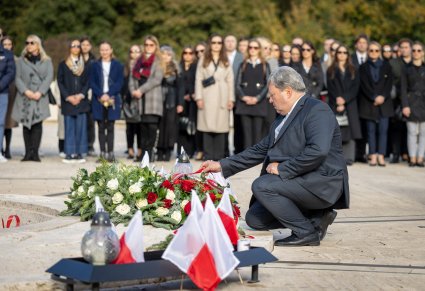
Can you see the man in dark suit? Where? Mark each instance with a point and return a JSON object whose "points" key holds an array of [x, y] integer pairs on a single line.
{"points": [[304, 174], [235, 60]]}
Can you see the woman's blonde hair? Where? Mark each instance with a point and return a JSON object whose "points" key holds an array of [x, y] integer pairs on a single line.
{"points": [[42, 52]]}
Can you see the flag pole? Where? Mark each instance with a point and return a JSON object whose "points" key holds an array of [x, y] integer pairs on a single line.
{"points": [[240, 277], [181, 283]]}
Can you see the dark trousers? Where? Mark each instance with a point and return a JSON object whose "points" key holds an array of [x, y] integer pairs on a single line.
{"points": [[7, 140], [377, 133], [106, 132], [32, 139], [90, 131], [361, 143], [214, 145], [283, 204], [199, 141], [188, 142], [252, 127], [238, 133], [133, 129], [397, 133], [148, 132]]}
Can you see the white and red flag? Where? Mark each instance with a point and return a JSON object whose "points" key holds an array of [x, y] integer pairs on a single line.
{"points": [[225, 211], [190, 252], [218, 241], [131, 242]]}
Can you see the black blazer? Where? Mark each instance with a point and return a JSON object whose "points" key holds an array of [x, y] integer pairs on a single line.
{"points": [[369, 90], [70, 84], [413, 91], [343, 85], [313, 80], [308, 149]]}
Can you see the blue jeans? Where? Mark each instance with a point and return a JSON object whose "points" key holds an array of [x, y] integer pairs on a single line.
{"points": [[377, 134], [76, 134], [4, 100]]}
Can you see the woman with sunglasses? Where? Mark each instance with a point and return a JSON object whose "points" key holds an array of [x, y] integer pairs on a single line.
{"points": [[215, 96], [173, 104], [73, 86], [187, 119], [375, 104], [343, 85], [130, 106], [34, 73], [106, 79], [286, 55], [145, 86], [310, 69], [251, 91], [7, 44], [413, 101]]}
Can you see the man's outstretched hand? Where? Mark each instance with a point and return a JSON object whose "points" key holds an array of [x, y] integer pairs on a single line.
{"points": [[210, 166]]}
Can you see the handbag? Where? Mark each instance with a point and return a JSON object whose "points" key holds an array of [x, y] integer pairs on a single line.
{"points": [[210, 80], [342, 119], [186, 125], [52, 99], [131, 111]]}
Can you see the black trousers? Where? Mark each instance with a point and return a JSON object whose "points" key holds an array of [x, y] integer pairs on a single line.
{"points": [[284, 204], [252, 127], [133, 129], [148, 132], [214, 145], [238, 133], [90, 130], [361, 143], [186, 141], [32, 139], [397, 137]]}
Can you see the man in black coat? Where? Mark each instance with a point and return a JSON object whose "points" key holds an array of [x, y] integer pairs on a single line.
{"points": [[304, 174]]}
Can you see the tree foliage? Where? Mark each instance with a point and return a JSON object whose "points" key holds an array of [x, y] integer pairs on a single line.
{"points": [[183, 22]]}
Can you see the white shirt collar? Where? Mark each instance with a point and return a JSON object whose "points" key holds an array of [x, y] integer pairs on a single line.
{"points": [[231, 56]]}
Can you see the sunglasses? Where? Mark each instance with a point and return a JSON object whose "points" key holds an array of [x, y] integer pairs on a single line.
{"points": [[306, 50], [340, 52], [417, 51], [253, 47], [75, 46], [216, 42], [188, 53], [29, 42], [200, 51], [374, 51], [149, 44]]}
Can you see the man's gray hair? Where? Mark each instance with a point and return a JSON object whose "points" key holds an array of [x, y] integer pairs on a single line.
{"points": [[283, 77]]}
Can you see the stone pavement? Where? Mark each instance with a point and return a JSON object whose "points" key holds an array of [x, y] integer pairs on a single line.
{"points": [[378, 244]]}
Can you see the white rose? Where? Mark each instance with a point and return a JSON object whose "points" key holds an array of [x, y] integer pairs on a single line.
{"points": [[161, 211], [73, 193], [80, 190], [112, 184], [135, 188], [141, 179], [170, 195], [177, 216], [141, 203], [123, 209], [117, 198], [91, 191], [184, 202]]}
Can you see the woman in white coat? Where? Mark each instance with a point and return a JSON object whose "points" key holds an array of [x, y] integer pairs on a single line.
{"points": [[215, 96]]}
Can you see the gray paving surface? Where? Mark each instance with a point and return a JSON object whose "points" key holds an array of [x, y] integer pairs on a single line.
{"points": [[378, 244]]}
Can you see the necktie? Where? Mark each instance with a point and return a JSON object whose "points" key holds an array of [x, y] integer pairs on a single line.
{"points": [[361, 60]]}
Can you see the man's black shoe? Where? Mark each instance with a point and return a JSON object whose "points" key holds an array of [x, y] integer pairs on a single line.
{"points": [[327, 219], [295, 241]]}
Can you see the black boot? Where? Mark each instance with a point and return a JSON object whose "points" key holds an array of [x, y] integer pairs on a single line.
{"points": [[395, 159], [8, 138]]}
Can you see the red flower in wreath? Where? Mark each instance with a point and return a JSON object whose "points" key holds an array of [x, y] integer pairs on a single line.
{"points": [[167, 203], [152, 197], [187, 185], [167, 185], [206, 187], [213, 198], [187, 208]]}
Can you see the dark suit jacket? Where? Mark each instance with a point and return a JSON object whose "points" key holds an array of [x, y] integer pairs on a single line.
{"points": [[369, 90], [308, 149], [116, 78]]}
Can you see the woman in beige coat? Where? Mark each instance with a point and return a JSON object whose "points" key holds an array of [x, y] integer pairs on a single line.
{"points": [[215, 96]]}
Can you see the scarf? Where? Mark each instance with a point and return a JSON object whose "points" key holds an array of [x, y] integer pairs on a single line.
{"points": [[33, 59], [76, 67], [375, 68], [143, 66]]}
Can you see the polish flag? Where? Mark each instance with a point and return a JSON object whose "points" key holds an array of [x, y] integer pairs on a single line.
{"points": [[190, 253], [145, 161], [225, 211], [218, 241], [131, 242]]}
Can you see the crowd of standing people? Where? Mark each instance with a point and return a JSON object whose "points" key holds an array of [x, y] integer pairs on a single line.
{"points": [[376, 91]]}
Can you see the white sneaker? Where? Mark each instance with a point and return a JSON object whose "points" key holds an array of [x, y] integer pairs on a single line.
{"points": [[2, 159], [62, 155]]}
